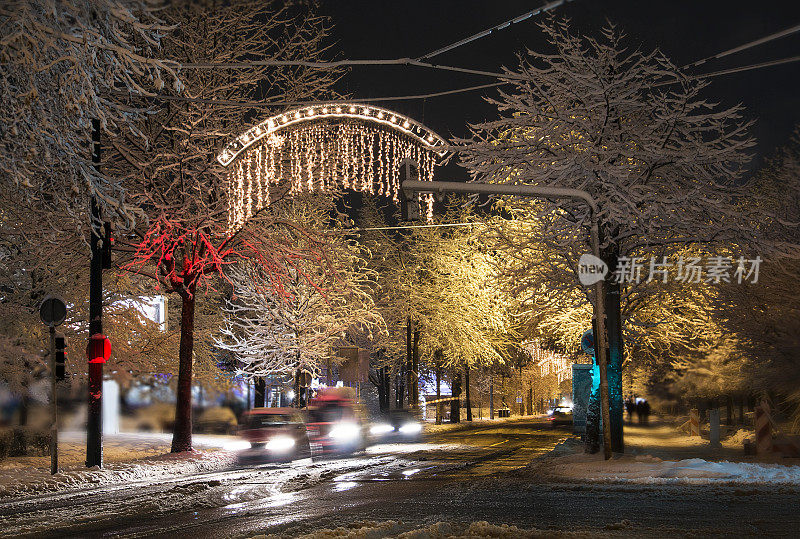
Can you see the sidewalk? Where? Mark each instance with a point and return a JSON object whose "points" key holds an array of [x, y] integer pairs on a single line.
{"points": [[661, 439], [126, 457], [657, 454]]}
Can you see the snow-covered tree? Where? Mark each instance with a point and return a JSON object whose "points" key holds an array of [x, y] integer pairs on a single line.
{"points": [[174, 175], [631, 129], [764, 317], [443, 282], [275, 333], [457, 300], [62, 63], [37, 259]]}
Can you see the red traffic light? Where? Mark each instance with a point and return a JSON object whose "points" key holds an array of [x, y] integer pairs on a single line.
{"points": [[98, 349]]}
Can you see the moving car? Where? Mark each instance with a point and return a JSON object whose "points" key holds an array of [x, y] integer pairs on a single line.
{"points": [[561, 415], [335, 425], [396, 426], [275, 434]]}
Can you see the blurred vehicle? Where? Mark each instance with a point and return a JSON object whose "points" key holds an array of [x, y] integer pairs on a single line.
{"points": [[275, 434], [561, 415], [158, 417], [216, 420], [335, 425], [396, 426]]}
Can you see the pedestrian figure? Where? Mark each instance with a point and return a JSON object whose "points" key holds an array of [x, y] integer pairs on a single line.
{"points": [[640, 410], [645, 415], [629, 407]]}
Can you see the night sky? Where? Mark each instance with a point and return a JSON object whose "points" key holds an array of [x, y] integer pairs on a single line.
{"points": [[685, 30]]}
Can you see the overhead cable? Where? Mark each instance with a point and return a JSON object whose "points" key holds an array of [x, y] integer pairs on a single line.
{"points": [[750, 67], [501, 26], [748, 45], [268, 104], [339, 63], [262, 104]]}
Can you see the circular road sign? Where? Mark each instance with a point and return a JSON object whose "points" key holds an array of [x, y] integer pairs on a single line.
{"points": [[53, 311], [587, 342]]}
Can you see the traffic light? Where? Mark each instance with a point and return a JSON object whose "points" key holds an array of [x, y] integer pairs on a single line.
{"points": [[61, 357]]}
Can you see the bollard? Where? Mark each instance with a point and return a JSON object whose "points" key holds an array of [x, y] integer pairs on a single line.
{"points": [[713, 426], [763, 428], [694, 422]]}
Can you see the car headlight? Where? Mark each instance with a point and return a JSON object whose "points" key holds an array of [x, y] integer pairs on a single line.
{"points": [[344, 432], [279, 444], [381, 428], [411, 428]]}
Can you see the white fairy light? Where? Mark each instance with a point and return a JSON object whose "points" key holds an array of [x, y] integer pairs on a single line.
{"points": [[260, 177], [326, 148]]}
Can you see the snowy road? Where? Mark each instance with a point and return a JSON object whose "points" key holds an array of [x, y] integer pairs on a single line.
{"points": [[452, 477]]}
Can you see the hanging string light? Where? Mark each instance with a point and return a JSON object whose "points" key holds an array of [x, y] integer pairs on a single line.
{"points": [[323, 148]]}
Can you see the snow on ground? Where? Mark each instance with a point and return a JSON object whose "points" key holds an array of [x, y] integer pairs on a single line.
{"points": [[441, 530], [659, 454], [127, 457], [662, 439], [646, 469]]}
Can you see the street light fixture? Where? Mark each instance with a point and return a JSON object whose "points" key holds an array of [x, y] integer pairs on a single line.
{"points": [[412, 188]]}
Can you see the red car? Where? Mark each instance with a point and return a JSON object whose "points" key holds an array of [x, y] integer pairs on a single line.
{"points": [[275, 433], [334, 423]]}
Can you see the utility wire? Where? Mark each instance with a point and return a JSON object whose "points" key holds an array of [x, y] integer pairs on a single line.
{"points": [[748, 45], [264, 104], [732, 70], [260, 104], [501, 26], [339, 63], [408, 61]]}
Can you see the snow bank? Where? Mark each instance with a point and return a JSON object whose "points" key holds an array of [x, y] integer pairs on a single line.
{"points": [[440, 530], [738, 438], [24, 480], [646, 469]]}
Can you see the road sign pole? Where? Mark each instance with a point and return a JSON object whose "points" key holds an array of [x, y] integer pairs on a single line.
{"points": [[53, 404], [53, 312]]}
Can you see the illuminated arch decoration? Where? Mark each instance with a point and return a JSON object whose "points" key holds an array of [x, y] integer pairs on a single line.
{"points": [[326, 147]]}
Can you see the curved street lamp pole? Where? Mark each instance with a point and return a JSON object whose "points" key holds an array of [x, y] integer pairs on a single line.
{"points": [[411, 188]]}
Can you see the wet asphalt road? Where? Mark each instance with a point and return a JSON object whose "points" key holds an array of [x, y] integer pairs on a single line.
{"points": [[468, 475]]}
